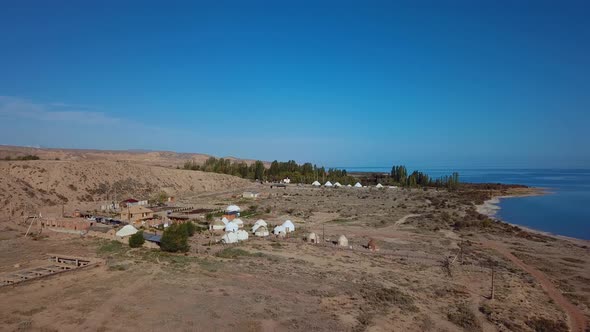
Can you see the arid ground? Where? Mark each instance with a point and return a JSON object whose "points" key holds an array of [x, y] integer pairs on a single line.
{"points": [[432, 270]]}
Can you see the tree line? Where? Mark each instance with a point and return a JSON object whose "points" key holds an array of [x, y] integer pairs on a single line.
{"points": [[399, 176], [297, 173]]}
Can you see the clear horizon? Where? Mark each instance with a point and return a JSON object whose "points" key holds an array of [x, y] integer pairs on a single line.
{"points": [[486, 84]]}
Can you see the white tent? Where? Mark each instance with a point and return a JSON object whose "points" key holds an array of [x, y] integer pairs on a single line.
{"points": [[288, 225], [238, 222], [337, 185], [343, 241], [218, 225], [231, 227], [279, 230], [348, 185], [358, 185], [242, 235], [224, 220], [232, 209], [259, 223], [328, 184], [261, 231], [126, 231], [379, 185], [316, 184], [229, 238]]}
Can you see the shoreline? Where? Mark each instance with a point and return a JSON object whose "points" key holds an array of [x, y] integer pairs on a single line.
{"points": [[491, 207]]}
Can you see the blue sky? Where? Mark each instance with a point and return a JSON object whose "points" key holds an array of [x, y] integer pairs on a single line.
{"points": [[360, 83]]}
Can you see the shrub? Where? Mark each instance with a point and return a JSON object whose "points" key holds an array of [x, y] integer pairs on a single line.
{"points": [[464, 317], [546, 325], [175, 239], [189, 228], [136, 240]]}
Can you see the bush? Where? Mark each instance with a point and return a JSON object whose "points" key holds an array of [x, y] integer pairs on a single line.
{"points": [[175, 239], [464, 317], [189, 228], [136, 240]]}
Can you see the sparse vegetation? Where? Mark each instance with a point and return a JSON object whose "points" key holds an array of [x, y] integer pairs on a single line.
{"points": [[464, 317]]}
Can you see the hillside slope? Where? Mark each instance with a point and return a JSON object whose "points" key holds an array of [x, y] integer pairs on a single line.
{"points": [[45, 185]]}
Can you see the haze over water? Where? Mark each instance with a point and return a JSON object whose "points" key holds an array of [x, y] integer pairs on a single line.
{"points": [[565, 210]]}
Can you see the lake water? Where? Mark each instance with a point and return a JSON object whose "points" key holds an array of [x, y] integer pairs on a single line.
{"points": [[564, 211]]}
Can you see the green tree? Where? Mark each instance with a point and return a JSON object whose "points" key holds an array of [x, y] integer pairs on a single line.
{"points": [[259, 170], [175, 239], [136, 240]]}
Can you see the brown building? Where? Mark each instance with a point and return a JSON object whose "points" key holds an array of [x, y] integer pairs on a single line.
{"points": [[134, 214]]}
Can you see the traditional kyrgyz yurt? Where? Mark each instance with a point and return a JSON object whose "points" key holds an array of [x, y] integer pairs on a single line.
{"points": [[358, 185], [217, 225], [349, 185], [337, 185], [343, 241], [328, 184], [259, 223], [126, 231], [232, 209], [316, 184], [238, 222], [242, 235], [288, 225], [379, 185], [313, 238], [229, 238], [231, 227], [261, 231], [279, 230]]}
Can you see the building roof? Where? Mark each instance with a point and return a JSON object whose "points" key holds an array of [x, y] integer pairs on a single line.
{"points": [[130, 200], [137, 209]]}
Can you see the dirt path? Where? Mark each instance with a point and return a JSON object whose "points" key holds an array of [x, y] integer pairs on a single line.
{"points": [[404, 219], [576, 319]]}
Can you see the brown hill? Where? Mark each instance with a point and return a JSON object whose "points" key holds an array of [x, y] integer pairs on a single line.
{"points": [[157, 158], [45, 185]]}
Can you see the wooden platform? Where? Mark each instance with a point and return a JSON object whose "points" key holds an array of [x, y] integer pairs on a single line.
{"points": [[56, 264]]}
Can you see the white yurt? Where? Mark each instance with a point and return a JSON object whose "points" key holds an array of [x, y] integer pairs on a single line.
{"points": [[238, 222], [279, 230], [343, 241], [231, 227], [242, 235], [358, 185], [313, 238], [232, 209], [229, 238], [224, 220], [217, 225], [316, 184], [379, 186], [337, 185], [261, 231], [288, 225], [328, 184], [126, 231], [349, 185], [259, 223]]}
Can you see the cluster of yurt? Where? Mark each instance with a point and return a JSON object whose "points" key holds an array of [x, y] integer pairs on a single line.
{"points": [[231, 224]]}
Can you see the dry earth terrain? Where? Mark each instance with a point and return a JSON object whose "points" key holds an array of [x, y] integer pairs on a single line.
{"points": [[432, 272]]}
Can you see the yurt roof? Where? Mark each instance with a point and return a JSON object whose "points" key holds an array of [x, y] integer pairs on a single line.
{"points": [[232, 208], [349, 185], [328, 184], [224, 220], [242, 235], [337, 184], [260, 222], [238, 221], [379, 185], [358, 185], [126, 231], [231, 227], [316, 183], [278, 229], [288, 224]]}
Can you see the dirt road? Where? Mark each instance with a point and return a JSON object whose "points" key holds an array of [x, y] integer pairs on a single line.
{"points": [[576, 319]]}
